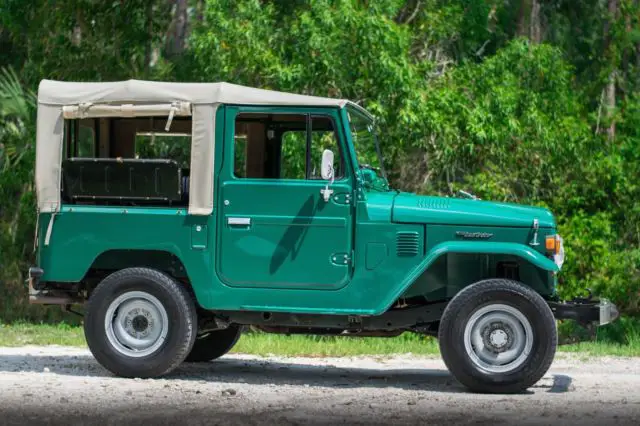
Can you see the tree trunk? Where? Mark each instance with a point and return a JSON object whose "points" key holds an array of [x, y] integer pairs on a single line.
{"points": [[610, 105], [610, 88], [535, 23], [636, 3], [529, 20], [200, 11], [638, 64], [522, 24], [177, 33], [76, 35], [147, 47]]}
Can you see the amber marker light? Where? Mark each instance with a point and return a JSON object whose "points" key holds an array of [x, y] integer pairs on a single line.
{"points": [[552, 243]]}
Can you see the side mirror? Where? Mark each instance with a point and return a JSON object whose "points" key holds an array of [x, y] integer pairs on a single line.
{"points": [[326, 169]]}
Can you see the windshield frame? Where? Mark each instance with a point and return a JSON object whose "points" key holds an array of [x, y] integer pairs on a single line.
{"points": [[354, 109]]}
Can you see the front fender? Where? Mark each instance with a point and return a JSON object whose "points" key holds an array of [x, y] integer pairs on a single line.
{"points": [[515, 249]]}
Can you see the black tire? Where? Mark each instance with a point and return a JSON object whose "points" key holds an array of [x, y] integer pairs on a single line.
{"points": [[459, 312], [180, 313], [214, 344]]}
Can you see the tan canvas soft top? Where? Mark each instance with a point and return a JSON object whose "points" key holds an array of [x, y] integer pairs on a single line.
{"points": [[138, 91], [58, 100]]}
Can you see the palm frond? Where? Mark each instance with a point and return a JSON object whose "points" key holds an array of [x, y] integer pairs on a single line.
{"points": [[17, 119], [15, 101]]}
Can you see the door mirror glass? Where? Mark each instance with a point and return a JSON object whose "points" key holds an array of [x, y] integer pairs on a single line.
{"points": [[327, 165]]}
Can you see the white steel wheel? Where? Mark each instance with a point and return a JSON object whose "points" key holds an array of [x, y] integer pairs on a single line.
{"points": [[140, 322], [498, 338], [136, 324]]}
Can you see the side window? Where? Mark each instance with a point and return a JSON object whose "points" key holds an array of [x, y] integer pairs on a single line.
{"points": [[240, 156], [293, 158], [86, 142], [153, 145], [323, 136], [80, 138], [284, 146]]}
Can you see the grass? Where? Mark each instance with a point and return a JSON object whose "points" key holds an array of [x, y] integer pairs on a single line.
{"points": [[332, 346], [21, 334]]}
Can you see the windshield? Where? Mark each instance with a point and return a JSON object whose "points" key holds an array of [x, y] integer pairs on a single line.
{"points": [[365, 141]]}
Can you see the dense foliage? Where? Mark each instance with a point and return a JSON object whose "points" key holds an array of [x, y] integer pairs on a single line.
{"points": [[529, 101]]}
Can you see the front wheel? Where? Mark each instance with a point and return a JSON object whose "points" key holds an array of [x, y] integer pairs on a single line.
{"points": [[498, 336]]}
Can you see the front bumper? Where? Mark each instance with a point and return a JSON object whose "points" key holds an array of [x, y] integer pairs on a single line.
{"points": [[585, 311]]}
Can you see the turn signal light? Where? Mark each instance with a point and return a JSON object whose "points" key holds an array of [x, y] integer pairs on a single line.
{"points": [[552, 243]]}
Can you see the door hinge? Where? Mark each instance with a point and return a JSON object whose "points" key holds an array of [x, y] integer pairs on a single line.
{"points": [[342, 198]]}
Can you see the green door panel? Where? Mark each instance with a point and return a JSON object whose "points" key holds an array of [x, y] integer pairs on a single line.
{"points": [[280, 234]]}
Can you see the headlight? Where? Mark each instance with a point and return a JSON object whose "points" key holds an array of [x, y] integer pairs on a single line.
{"points": [[555, 245]]}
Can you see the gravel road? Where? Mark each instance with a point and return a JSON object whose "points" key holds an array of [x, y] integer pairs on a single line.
{"points": [[57, 385]]}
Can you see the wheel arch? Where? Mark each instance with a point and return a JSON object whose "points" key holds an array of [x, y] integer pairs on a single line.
{"points": [[113, 260], [426, 277]]}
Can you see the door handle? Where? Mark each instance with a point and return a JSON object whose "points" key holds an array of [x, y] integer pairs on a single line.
{"points": [[239, 221]]}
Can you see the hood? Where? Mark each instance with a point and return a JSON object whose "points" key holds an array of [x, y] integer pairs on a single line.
{"points": [[411, 208]]}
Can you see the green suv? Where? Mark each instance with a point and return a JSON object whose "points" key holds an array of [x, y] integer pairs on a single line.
{"points": [[179, 213]]}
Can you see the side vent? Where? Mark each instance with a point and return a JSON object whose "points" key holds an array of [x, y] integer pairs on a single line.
{"points": [[407, 244]]}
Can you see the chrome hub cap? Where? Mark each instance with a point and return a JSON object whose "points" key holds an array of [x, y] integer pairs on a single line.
{"points": [[136, 324], [498, 338]]}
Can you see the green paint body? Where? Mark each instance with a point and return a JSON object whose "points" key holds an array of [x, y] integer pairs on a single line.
{"points": [[356, 254]]}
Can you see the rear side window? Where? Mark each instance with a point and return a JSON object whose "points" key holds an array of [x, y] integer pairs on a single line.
{"points": [[80, 138], [163, 145]]}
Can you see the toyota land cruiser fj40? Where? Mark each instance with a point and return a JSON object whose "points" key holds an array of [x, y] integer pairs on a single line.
{"points": [[178, 213]]}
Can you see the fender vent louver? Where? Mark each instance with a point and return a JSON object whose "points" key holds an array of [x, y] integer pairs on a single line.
{"points": [[407, 244], [433, 203]]}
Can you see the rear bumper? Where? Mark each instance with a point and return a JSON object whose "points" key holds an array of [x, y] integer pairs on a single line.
{"points": [[39, 294], [586, 311]]}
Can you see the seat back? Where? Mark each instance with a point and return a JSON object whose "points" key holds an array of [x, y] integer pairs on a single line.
{"points": [[115, 179]]}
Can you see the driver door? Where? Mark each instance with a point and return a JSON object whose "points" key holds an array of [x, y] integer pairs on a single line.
{"points": [[275, 228]]}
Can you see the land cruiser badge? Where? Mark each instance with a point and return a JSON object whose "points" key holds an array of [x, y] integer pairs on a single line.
{"points": [[474, 235]]}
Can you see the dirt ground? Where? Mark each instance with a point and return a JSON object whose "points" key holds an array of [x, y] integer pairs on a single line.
{"points": [[57, 385]]}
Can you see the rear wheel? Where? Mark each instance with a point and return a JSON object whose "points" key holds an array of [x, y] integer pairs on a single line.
{"points": [[498, 336], [139, 322], [214, 344]]}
